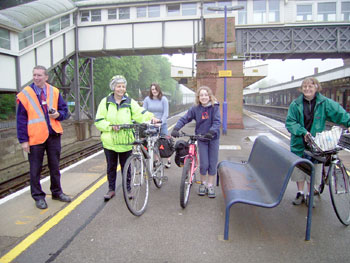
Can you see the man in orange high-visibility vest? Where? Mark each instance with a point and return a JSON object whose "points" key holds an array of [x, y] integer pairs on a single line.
{"points": [[40, 110]]}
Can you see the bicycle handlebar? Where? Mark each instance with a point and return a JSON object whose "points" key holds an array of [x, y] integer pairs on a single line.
{"points": [[193, 136], [136, 125]]}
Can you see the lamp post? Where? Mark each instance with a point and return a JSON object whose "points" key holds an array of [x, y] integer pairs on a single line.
{"points": [[224, 106]]}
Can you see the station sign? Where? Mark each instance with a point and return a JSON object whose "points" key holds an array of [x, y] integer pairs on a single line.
{"points": [[225, 73]]}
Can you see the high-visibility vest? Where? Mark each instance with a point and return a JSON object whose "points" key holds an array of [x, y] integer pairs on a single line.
{"points": [[38, 131]]}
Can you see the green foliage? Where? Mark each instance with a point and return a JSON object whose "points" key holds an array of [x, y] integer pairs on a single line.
{"points": [[7, 106], [139, 71]]}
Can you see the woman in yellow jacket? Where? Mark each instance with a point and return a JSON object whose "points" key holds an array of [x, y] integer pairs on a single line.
{"points": [[117, 108]]}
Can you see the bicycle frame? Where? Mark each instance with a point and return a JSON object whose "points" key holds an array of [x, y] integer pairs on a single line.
{"points": [[151, 141], [147, 153], [192, 154]]}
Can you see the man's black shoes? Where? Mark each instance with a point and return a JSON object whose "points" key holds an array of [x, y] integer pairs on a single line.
{"points": [[62, 197], [41, 204]]}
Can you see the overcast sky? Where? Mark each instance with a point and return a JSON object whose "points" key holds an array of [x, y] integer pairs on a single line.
{"points": [[278, 70]]}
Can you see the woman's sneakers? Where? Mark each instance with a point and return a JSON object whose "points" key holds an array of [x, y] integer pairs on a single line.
{"points": [[202, 190], [109, 195], [299, 199], [168, 165], [307, 201], [210, 190]]}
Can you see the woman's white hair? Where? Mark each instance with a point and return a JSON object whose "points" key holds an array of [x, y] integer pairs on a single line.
{"points": [[115, 80]]}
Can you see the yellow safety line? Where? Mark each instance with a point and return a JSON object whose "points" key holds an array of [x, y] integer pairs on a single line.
{"points": [[29, 240], [171, 126]]}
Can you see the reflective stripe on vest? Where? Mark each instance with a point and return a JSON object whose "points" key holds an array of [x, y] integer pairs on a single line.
{"points": [[50, 97], [38, 111]]}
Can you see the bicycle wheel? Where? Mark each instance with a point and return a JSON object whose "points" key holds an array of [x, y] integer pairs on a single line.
{"points": [[158, 169], [185, 185], [135, 184], [340, 193]]}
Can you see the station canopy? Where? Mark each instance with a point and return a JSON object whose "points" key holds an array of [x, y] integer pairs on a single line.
{"points": [[23, 17]]}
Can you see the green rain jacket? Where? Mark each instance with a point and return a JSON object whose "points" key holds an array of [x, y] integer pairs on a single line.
{"points": [[325, 110], [109, 112]]}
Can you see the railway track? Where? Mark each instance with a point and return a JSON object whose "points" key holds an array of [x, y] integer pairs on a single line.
{"points": [[281, 116], [22, 180]]}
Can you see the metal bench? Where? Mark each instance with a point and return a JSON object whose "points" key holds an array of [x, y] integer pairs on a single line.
{"points": [[262, 180]]}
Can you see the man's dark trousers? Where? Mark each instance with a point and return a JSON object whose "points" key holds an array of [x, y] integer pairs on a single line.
{"points": [[52, 146]]}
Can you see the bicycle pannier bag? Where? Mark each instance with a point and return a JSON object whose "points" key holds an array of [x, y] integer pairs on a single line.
{"points": [[166, 146], [181, 149]]}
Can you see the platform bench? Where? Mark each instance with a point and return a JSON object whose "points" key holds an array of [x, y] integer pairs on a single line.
{"points": [[262, 180]]}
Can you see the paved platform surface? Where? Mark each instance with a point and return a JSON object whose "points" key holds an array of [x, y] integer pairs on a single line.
{"points": [[90, 230]]}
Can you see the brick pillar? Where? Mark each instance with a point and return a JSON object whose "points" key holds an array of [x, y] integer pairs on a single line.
{"points": [[210, 60]]}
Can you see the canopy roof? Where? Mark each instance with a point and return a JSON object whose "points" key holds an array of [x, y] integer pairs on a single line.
{"points": [[22, 17]]}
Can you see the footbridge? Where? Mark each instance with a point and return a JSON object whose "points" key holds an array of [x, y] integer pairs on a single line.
{"points": [[66, 36]]}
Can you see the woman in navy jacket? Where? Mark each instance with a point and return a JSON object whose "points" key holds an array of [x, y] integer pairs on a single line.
{"points": [[206, 113]]}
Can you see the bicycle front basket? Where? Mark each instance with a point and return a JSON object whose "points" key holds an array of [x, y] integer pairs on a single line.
{"points": [[328, 140]]}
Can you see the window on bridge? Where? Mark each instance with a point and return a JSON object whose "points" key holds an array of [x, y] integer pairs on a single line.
{"points": [[154, 11], [259, 11], [173, 10], [189, 9], [95, 15], [242, 14], [31, 36], [326, 11], [25, 39], [5, 39], [58, 24], [345, 11], [65, 21], [141, 11], [85, 16], [304, 12], [112, 14], [274, 10], [54, 26], [90, 15], [124, 13], [39, 33]]}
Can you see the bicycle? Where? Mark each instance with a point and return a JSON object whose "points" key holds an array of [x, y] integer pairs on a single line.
{"points": [[336, 177], [189, 169], [143, 164]]}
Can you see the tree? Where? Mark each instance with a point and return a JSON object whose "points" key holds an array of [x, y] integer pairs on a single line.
{"points": [[7, 106]]}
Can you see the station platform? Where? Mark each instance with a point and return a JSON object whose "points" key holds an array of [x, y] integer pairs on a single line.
{"points": [[91, 230]]}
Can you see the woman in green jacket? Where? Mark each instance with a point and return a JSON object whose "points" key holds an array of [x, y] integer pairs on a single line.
{"points": [[118, 108], [308, 114]]}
